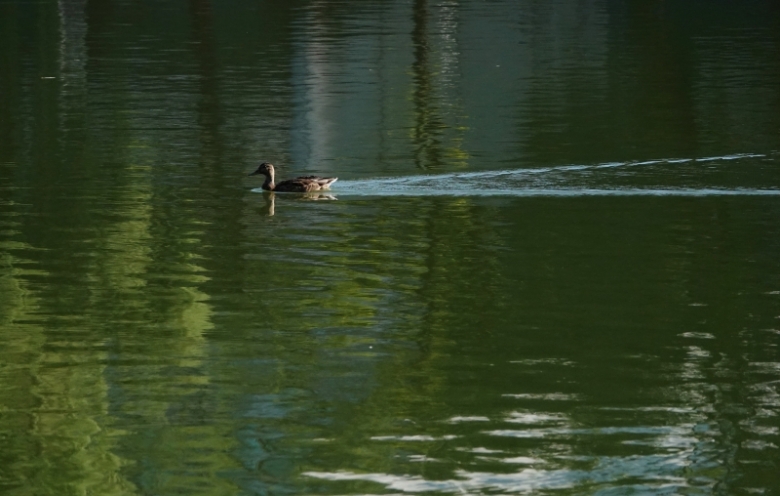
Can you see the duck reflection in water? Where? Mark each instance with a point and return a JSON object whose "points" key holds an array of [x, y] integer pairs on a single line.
{"points": [[303, 184], [270, 200]]}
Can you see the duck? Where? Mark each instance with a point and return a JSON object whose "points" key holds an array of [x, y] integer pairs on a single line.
{"points": [[303, 184]]}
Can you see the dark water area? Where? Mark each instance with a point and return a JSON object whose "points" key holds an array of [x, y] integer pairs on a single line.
{"points": [[549, 265]]}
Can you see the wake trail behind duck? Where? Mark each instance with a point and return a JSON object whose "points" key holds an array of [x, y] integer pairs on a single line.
{"points": [[747, 174]]}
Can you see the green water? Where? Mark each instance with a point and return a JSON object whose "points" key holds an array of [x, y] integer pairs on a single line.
{"points": [[549, 266]]}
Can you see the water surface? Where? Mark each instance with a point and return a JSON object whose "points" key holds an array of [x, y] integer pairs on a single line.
{"points": [[549, 265]]}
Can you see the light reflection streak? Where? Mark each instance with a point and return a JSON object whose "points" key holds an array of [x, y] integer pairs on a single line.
{"points": [[534, 418], [652, 470], [413, 438], [458, 419]]}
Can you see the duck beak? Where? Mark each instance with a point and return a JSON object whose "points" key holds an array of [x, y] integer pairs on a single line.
{"points": [[254, 173]]}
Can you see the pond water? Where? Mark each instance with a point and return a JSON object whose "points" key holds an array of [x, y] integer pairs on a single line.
{"points": [[549, 265]]}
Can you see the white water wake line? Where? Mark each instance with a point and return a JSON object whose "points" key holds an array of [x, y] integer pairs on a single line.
{"points": [[564, 180], [556, 168], [570, 192]]}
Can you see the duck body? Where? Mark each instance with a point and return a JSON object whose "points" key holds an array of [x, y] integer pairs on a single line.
{"points": [[303, 184]]}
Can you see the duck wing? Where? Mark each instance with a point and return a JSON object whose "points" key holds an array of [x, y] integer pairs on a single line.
{"points": [[305, 184]]}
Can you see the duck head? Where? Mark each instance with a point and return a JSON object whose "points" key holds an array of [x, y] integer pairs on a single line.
{"points": [[266, 169]]}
